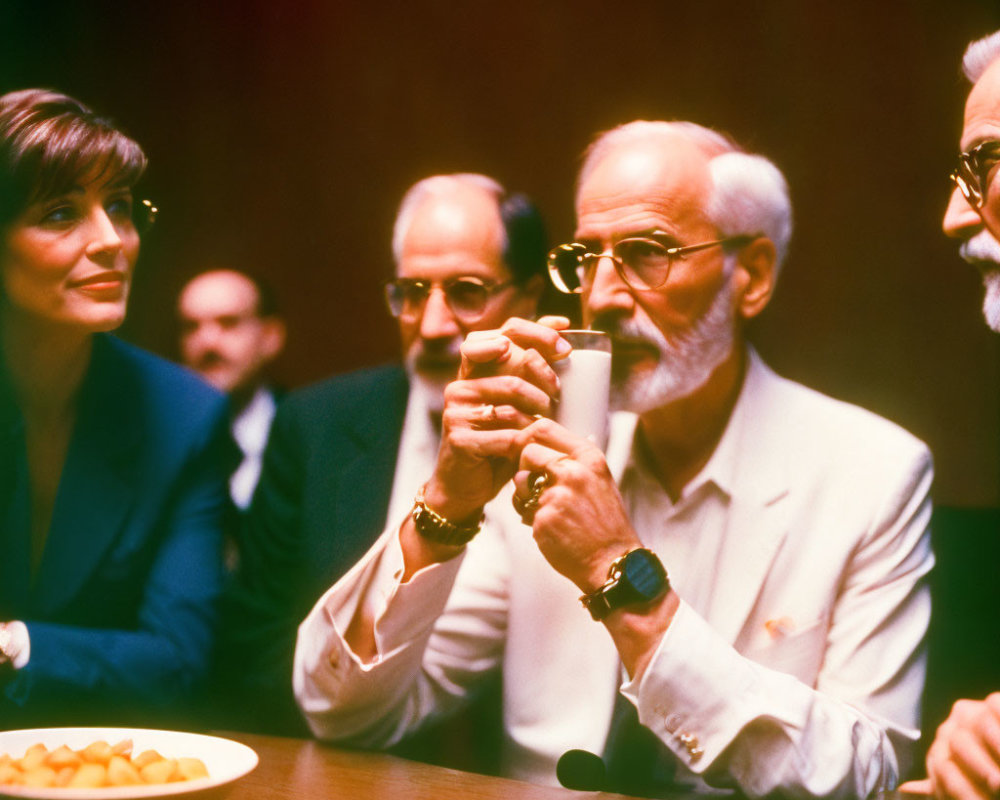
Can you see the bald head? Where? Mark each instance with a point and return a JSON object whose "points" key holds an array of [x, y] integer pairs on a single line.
{"points": [[451, 214]]}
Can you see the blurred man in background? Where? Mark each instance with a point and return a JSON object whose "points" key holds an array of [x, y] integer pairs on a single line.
{"points": [[230, 333]]}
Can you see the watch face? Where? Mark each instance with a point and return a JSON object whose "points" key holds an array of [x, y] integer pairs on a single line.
{"points": [[643, 570]]}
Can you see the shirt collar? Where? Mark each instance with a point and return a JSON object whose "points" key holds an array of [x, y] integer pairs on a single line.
{"points": [[724, 467], [251, 426]]}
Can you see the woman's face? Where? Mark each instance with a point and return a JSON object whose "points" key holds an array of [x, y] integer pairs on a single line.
{"points": [[68, 260]]}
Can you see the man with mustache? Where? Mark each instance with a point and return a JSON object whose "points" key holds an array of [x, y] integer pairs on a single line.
{"points": [[348, 453], [963, 762], [230, 334], [746, 568]]}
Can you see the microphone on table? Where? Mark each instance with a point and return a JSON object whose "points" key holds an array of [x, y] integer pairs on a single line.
{"points": [[582, 771]]}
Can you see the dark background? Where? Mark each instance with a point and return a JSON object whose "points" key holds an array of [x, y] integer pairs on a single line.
{"points": [[282, 135]]}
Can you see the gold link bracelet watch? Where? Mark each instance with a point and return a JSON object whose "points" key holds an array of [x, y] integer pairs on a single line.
{"points": [[435, 528]]}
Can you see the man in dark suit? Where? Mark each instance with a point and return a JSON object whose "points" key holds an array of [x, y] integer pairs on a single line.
{"points": [[231, 333], [347, 455]]}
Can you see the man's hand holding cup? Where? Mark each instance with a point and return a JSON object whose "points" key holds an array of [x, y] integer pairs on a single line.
{"points": [[505, 383]]}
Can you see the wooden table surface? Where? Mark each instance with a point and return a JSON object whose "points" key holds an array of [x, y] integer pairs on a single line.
{"points": [[301, 769]]}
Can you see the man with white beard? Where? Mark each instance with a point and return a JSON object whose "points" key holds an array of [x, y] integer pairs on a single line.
{"points": [[348, 453], [963, 762], [746, 567], [973, 213]]}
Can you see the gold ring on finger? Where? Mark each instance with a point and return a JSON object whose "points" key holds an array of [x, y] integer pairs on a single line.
{"points": [[531, 503], [537, 483]]}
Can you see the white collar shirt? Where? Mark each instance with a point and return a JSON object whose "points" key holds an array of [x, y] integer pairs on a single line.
{"points": [[417, 454], [688, 534], [250, 429]]}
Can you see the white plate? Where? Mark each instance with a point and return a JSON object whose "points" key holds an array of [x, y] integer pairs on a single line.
{"points": [[225, 759]]}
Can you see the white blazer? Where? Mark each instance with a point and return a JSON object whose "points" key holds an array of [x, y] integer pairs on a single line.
{"points": [[804, 671]]}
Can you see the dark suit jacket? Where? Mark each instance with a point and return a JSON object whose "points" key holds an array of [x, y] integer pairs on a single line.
{"points": [[121, 613], [320, 504]]}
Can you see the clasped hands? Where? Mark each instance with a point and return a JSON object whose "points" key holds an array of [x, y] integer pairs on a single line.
{"points": [[496, 427]]}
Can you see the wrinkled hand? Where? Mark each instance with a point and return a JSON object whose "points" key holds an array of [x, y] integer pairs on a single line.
{"points": [[964, 759], [505, 382], [579, 522]]}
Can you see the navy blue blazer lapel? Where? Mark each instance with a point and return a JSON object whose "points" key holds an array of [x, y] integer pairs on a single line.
{"points": [[368, 464], [97, 488]]}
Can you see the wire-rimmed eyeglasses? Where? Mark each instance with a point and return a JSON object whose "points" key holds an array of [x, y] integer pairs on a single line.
{"points": [[973, 173], [643, 262], [466, 296]]}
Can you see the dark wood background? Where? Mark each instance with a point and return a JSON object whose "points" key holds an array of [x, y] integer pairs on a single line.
{"points": [[282, 135]]}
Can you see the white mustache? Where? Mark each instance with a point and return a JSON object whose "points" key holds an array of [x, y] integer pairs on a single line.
{"points": [[981, 247], [630, 330]]}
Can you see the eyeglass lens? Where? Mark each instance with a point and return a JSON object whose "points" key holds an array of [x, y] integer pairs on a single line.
{"points": [[465, 297], [144, 215], [642, 263], [975, 170]]}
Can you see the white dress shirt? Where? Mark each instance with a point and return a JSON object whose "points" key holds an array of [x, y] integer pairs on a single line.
{"points": [[417, 454], [250, 429]]}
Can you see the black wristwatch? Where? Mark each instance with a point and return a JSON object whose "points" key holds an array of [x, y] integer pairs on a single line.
{"points": [[636, 577]]}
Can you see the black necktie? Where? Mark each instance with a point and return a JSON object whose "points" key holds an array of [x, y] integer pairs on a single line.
{"points": [[638, 763]]}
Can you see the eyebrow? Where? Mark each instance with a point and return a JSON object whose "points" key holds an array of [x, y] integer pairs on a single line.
{"points": [[981, 139], [647, 233]]}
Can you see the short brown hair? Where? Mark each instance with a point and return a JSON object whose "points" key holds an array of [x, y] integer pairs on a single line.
{"points": [[49, 142]]}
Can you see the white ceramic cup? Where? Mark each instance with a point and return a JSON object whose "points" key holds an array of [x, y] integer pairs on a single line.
{"points": [[585, 380]]}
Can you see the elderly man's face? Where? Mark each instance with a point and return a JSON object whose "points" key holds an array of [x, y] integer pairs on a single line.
{"points": [[668, 341], [454, 234], [979, 245]]}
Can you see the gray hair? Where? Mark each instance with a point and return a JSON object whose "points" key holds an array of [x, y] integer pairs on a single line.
{"points": [[979, 55], [749, 193], [436, 185]]}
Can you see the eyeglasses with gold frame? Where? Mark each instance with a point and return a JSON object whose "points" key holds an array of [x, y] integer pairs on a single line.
{"points": [[642, 262], [974, 171]]}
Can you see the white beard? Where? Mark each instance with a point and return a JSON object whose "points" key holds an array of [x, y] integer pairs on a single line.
{"points": [[983, 252], [684, 365], [991, 302]]}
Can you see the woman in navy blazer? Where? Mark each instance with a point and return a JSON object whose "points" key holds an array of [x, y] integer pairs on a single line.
{"points": [[112, 461]]}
